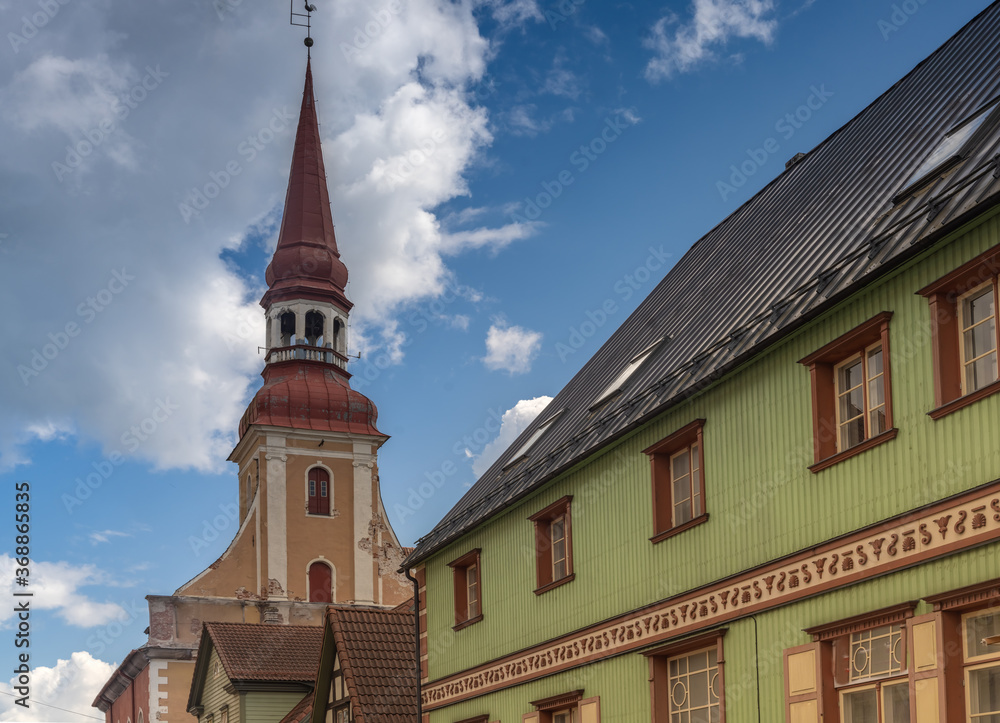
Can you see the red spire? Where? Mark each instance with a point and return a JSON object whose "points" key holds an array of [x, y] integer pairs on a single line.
{"points": [[306, 263]]}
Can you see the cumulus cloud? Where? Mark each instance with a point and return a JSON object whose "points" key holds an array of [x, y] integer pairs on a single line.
{"points": [[679, 47], [57, 587], [102, 357], [70, 686], [511, 348], [515, 12], [514, 421]]}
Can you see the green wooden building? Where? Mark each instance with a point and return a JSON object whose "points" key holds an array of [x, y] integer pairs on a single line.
{"points": [[774, 493], [253, 673]]}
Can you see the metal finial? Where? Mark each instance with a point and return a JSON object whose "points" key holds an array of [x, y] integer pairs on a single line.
{"points": [[295, 19]]}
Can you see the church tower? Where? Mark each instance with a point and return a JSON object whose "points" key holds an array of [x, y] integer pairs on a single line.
{"points": [[312, 526]]}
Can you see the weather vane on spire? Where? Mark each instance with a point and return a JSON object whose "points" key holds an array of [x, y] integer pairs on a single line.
{"points": [[295, 19]]}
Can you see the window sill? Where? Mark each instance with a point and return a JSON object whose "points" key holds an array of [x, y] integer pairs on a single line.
{"points": [[467, 623], [661, 536], [855, 450], [556, 583], [953, 406]]}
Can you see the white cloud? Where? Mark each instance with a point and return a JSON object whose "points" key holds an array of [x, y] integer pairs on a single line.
{"points": [[680, 47], [71, 685], [514, 421], [515, 12], [511, 348], [562, 82], [105, 536], [56, 587], [521, 121]]}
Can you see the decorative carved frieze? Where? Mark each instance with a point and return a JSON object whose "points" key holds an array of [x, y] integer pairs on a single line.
{"points": [[945, 528]]}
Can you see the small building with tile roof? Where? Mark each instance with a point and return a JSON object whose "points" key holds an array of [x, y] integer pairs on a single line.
{"points": [[367, 667], [253, 673]]}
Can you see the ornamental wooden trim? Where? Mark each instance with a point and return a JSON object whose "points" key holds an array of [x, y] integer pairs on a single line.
{"points": [[558, 701], [984, 592], [885, 616]]}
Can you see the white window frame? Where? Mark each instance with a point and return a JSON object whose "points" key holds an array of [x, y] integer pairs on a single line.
{"points": [[963, 328], [866, 380]]}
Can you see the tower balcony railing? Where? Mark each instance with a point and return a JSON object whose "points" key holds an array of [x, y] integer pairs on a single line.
{"points": [[306, 353]]}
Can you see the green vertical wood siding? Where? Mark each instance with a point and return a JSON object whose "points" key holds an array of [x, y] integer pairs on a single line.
{"points": [[214, 695], [269, 707], [762, 501]]}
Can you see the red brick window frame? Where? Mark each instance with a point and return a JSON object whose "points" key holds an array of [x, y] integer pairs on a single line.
{"points": [[830, 443], [468, 583], [678, 471], [675, 669], [945, 297], [553, 546]]}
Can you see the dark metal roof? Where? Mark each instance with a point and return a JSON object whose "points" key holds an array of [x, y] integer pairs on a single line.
{"points": [[818, 232]]}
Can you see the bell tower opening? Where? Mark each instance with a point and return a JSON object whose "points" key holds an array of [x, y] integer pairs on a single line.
{"points": [[287, 328], [315, 322]]}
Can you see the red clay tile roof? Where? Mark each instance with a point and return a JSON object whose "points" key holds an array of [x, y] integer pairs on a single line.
{"points": [[301, 712], [267, 652], [376, 649]]}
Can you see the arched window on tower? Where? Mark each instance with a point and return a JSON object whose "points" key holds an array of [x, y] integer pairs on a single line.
{"points": [[319, 491], [320, 582], [314, 328], [338, 335], [287, 321]]}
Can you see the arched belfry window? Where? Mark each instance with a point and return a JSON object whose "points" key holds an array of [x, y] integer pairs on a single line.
{"points": [[319, 491], [320, 582], [338, 335], [287, 321], [314, 328]]}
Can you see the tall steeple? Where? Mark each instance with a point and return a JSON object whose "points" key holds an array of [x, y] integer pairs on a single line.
{"points": [[306, 263]]}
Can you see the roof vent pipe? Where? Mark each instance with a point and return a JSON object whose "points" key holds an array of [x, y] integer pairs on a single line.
{"points": [[793, 160]]}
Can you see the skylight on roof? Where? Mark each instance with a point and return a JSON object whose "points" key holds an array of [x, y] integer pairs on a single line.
{"points": [[631, 368], [949, 150], [530, 442]]}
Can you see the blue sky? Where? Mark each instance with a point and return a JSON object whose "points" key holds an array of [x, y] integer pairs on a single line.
{"points": [[509, 179]]}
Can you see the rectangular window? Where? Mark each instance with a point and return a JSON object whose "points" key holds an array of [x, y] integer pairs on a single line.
{"points": [[860, 398], [964, 333], [557, 532], [851, 395], [687, 680], [468, 586], [694, 686], [856, 670], [982, 672], [979, 338], [685, 479], [553, 545], [472, 582], [618, 383], [678, 475]]}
